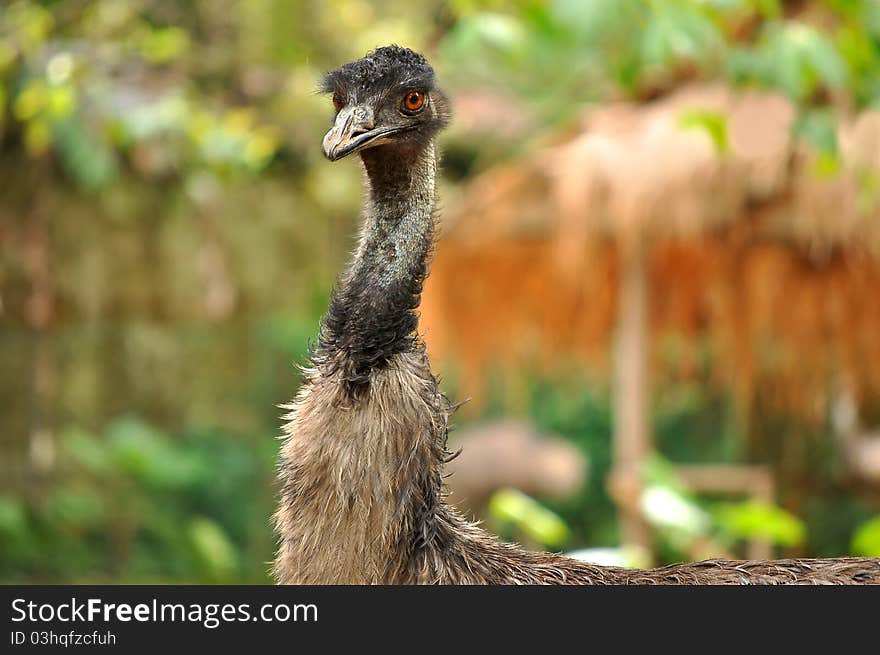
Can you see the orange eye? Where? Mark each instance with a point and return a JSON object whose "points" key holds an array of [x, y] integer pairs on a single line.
{"points": [[337, 103], [413, 101]]}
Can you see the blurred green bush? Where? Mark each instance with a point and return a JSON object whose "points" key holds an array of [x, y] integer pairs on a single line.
{"points": [[140, 505]]}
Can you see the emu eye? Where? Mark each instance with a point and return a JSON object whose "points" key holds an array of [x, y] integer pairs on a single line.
{"points": [[413, 101], [337, 103]]}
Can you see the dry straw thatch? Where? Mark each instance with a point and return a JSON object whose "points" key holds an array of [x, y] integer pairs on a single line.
{"points": [[757, 251]]}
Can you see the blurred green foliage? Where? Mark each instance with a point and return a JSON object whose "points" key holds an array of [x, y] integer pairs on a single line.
{"points": [[169, 233], [866, 540], [77, 77], [691, 425], [713, 123], [680, 519], [511, 507], [757, 520], [557, 55], [596, 48], [139, 505]]}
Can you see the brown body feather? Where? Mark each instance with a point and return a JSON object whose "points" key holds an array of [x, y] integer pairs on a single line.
{"points": [[362, 499], [362, 504]]}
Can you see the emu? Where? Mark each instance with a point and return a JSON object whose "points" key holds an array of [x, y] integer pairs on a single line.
{"points": [[361, 466]]}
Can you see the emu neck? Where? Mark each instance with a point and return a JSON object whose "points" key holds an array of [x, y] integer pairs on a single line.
{"points": [[399, 223], [372, 315]]}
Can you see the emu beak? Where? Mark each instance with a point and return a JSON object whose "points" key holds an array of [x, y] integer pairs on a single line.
{"points": [[354, 130]]}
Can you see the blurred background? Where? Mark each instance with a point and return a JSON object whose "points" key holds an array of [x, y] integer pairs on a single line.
{"points": [[658, 283]]}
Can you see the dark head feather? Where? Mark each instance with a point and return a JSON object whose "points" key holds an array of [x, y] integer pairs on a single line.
{"points": [[389, 67]]}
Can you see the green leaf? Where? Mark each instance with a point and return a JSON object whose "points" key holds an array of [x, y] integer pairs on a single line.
{"points": [[712, 122], [666, 508], [678, 32], [13, 518], [76, 508], [152, 457], [88, 451], [513, 506], [759, 520], [767, 8], [213, 548], [818, 128], [61, 101], [866, 540], [164, 45], [84, 156], [7, 56], [31, 100], [29, 22]]}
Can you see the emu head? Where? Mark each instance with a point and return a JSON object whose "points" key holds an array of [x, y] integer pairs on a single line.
{"points": [[388, 98]]}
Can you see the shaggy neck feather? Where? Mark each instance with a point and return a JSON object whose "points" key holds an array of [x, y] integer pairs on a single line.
{"points": [[399, 226], [371, 316]]}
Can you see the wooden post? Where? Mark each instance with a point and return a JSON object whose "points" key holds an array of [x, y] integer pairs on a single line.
{"points": [[632, 441], [754, 481]]}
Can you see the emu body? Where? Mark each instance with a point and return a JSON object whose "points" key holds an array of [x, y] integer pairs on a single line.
{"points": [[362, 498]]}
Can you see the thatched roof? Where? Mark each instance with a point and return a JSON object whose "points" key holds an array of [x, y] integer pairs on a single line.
{"points": [[660, 169], [757, 251]]}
